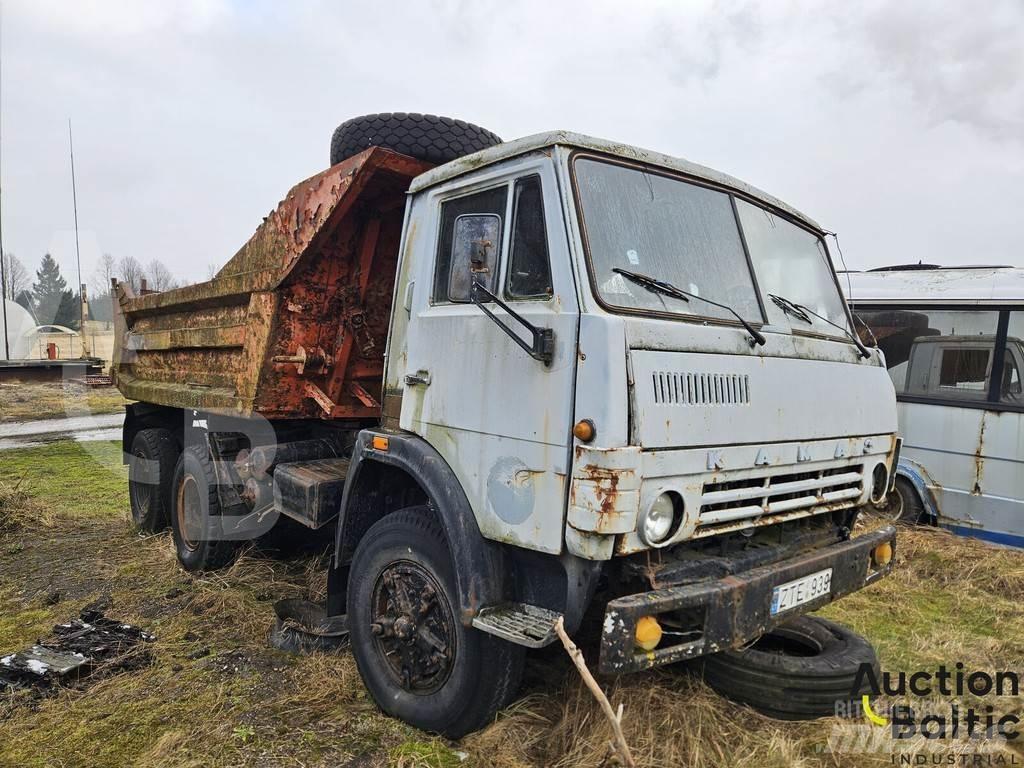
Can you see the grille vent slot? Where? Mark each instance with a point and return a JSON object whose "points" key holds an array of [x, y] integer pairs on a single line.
{"points": [[700, 388]]}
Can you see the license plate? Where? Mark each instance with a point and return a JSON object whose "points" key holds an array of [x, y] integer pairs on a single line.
{"points": [[802, 590]]}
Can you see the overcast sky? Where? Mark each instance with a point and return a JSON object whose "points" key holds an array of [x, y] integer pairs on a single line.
{"points": [[900, 125]]}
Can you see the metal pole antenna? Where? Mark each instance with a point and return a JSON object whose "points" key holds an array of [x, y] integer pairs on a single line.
{"points": [[78, 256], [3, 268]]}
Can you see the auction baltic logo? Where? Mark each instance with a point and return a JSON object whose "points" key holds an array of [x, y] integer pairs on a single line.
{"points": [[905, 721], [943, 710]]}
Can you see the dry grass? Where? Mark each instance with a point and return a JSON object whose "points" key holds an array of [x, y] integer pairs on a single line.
{"points": [[31, 401], [243, 703], [18, 508]]}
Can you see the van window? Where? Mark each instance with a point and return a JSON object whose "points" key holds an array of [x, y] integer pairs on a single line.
{"points": [[936, 353], [964, 369], [1010, 390], [529, 271], [469, 243]]}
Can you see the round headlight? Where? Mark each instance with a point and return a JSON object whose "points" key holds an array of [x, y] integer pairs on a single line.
{"points": [[659, 520]]}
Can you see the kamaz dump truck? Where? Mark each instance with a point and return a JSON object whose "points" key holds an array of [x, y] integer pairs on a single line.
{"points": [[522, 380]]}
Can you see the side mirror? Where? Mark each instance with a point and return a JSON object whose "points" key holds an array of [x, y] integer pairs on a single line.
{"points": [[475, 247]]}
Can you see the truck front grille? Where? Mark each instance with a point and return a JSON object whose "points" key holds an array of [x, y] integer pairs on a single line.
{"points": [[734, 504]]}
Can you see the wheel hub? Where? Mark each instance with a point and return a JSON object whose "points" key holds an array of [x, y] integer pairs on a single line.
{"points": [[190, 513], [413, 627]]}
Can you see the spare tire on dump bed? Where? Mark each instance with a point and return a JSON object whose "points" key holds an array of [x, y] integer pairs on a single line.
{"points": [[425, 137]]}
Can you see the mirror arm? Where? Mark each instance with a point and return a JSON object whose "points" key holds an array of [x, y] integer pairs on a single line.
{"points": [[543, 346]]}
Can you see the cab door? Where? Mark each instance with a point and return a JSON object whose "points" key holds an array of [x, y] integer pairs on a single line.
{"points": [[497, 271]]}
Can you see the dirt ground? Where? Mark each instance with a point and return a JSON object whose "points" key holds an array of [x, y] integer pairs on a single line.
{"points": [[216, 694], [27, 402]]}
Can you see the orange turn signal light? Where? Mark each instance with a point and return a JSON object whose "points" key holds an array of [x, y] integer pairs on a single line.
{"points": [[584, 430], [648, 633], [380, 442], [882, 554]]}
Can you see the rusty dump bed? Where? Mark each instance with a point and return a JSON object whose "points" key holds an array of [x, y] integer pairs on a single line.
{"points": [[295, 324]]}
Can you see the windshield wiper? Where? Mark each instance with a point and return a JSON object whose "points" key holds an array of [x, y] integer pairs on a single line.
{"points": [[803, 312], [660, 286], [791, 308]]}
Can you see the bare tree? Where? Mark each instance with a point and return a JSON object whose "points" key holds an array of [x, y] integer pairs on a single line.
{"points": [[211, 271], [16, 277], [105, 270], [159, 277], [130, 271]]}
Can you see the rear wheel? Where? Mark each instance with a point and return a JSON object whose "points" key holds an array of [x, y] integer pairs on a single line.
{"points": [[195, 520], [803, 669], [154, 453], [418, 661]]}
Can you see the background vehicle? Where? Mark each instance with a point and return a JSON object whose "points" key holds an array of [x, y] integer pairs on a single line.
{"points": [[952, 340], [559, 371]]}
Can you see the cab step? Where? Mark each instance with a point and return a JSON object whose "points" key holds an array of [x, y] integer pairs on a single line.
{"points": [[519, 623]]}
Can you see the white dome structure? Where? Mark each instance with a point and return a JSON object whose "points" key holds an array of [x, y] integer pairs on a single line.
{"points": [[20, 329]]}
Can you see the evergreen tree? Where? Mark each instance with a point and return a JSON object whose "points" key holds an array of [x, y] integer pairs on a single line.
{"points": [[69, 313], [54, 302]]}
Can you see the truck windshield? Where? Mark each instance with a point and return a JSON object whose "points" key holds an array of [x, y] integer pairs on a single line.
{"points": [[689, 235]]}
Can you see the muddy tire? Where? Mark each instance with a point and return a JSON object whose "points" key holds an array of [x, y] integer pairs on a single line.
{"points": [[195, 514], [425, 137], [154, 454], [418, 661], [803, 669], [911, 508]]}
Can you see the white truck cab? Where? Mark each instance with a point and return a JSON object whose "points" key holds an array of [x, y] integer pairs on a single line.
{"points": [[686, 425]]}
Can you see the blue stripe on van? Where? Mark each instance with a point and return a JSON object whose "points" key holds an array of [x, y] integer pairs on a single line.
{"points": [[995, 537]]}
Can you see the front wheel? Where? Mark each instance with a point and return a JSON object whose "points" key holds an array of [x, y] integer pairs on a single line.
{"points": [[418, 661]]}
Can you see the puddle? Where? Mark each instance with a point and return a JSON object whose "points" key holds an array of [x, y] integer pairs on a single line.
{"points": [[28, 434]]}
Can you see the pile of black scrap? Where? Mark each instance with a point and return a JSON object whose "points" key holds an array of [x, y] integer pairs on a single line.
{"points": [[84, 646]]}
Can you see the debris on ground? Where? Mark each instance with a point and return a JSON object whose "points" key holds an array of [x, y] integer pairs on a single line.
{"points": [[303, 626], [85, 646]]}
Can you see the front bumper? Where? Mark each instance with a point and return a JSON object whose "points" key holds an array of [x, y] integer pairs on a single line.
{"points": [[733, 610]]}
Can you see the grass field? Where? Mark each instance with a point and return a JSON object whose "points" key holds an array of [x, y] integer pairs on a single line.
{"points": [[28, 402], [215, 694]]}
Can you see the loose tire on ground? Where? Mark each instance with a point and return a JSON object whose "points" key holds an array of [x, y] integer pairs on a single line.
{"points": [[154, 454], [800, 670], [418, 661], [195, 514], [911, 508], [425, 137]]}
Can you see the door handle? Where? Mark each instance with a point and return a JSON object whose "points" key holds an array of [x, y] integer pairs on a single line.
{"points": [[420, 377]]}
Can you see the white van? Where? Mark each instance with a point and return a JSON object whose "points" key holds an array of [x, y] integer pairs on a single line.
{"points": [[953, 340]]}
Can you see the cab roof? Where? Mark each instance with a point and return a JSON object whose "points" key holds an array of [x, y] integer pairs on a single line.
{"points": [[962, 285], [550, 139]]}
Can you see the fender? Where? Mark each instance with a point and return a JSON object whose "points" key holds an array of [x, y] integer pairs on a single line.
{"points": [[919, 478], [479, 564]]}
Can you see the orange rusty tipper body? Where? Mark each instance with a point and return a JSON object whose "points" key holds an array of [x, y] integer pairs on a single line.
{"points": [[295, 324]]}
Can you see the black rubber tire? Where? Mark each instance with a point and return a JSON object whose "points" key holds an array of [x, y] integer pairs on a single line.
{"points": [[425, 137], [153, 456], [486, 671], [773, 678], [911, 507], [203, 546]]}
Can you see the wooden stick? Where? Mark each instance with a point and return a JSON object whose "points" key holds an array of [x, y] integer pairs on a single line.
{"points": [[619, 744]]}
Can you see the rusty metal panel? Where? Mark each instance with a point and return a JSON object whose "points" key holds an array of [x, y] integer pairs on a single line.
{"points": [[295, 324]]}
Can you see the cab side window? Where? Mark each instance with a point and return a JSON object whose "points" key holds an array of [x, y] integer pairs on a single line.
{"points": [[470, 243], [529, 272]]}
